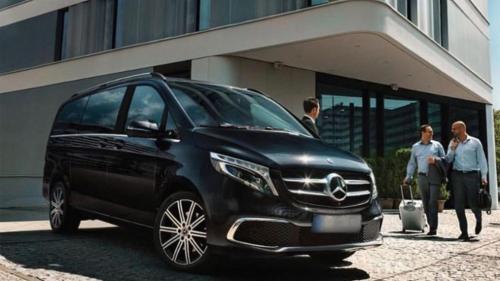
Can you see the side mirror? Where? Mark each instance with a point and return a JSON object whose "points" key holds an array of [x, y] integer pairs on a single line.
{"points": [[142, 128]]}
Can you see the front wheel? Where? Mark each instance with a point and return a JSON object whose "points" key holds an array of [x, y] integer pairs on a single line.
{"points": [[330, 258], [63, 218], [180, 232]]}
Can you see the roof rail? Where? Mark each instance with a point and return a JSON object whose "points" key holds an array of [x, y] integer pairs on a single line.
{"points": [[105, 84]]}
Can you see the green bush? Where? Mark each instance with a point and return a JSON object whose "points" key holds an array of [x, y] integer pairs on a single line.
{"points": [[389, 173]]}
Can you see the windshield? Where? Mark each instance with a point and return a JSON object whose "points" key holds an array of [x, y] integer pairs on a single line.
{"points": [[211, 105]]}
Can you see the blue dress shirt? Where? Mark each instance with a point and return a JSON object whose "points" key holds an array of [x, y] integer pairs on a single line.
{"points": [[420, 152], [469, 156]]}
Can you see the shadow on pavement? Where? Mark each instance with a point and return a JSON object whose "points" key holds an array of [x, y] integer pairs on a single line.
{"points": [[24, 214], [420, 236], [117, 253]]}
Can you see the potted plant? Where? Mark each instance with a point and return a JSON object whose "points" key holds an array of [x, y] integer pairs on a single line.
{"points": [[444, 194]]}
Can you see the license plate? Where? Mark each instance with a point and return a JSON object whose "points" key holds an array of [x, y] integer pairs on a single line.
{"points": [[336, 224]]}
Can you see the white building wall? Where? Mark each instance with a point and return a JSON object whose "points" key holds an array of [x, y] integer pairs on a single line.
{"points": [[492, 169], [288, 86], [468, 37]]}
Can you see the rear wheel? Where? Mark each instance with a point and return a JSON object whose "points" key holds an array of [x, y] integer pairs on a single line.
{"points": [[330, 258], [180, 232], [63, 218]]}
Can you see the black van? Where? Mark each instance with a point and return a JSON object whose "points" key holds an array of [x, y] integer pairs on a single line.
{"points": [[209, 168]]}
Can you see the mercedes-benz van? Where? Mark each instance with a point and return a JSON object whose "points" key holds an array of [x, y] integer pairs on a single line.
{"points": [[211, 169]]}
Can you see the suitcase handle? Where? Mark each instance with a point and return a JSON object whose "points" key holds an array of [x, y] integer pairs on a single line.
{"points": [[403, 194]]}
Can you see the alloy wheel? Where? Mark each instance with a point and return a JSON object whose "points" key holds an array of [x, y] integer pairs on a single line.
{"points": [[183, 232], [57, 206]]}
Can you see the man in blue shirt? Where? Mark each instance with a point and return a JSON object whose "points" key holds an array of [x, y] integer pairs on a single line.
{"points": [[470, 169], [423, 156]]}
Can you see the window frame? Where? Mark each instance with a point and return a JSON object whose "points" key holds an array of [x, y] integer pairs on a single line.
{"points": [[82, 126], [127, 101]]}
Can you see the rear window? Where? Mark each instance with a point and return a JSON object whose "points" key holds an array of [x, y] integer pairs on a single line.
{"points": [[102, 111], [69, 116]]}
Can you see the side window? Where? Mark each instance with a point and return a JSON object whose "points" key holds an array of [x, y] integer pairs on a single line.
{"points": [[170, 123], [102, 110], [69, 116], [192, 104], [146, 105]]}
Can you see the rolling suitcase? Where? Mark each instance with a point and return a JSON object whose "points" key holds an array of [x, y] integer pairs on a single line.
{"points": [[411, 213]]}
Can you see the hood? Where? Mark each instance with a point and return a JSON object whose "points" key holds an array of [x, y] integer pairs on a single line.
{"points": [[278, 149]]}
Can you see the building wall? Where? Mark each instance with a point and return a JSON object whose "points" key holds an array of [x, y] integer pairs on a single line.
{"points": [[25, 121], [289, 86], [468, 37]]}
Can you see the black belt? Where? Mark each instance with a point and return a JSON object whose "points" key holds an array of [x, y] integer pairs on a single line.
{"points": [[466, 172], [422, 174]]}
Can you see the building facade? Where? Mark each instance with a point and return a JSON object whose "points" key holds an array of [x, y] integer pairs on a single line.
{"points": [[380, 68]]}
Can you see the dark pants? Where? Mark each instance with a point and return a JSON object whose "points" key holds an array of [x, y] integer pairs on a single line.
{"points": [[466, 190], [430, 194]]}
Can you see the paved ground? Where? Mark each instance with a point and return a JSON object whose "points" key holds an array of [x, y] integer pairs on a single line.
{"points": [[99, 251]]}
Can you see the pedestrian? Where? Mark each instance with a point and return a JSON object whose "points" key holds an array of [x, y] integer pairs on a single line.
{"points": [[469, 171], [424, 156], [311, 109]]}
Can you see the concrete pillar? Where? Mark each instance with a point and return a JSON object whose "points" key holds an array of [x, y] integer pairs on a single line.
{"points": [[492, 168]]}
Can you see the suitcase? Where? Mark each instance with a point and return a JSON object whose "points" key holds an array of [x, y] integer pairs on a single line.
{"points": [[411, 213]]}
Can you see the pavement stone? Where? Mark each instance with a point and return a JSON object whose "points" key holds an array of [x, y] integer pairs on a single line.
{"points": [[100, 251]]}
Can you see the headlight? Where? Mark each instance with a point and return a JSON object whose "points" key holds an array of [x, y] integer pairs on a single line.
{"points": [[374, 192], [250, 174]]}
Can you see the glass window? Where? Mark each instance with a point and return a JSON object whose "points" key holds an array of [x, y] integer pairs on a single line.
{"points": [[222, 12], [436, 20], [146, 105], [141, 21], [469, 116], [434, 117], [70, 116], [102, 110], [341, 118], [210, 105], [7, 3], [372, 119], [171, 125], [88, 28], [28, 43], [401, 123]]}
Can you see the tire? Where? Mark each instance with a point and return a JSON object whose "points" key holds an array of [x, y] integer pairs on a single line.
{"points": [[180, 233], [330, 258], [63, 218]]}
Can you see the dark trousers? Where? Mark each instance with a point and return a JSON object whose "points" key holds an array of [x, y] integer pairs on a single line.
{"points": [[466, 190], [430, 194]]}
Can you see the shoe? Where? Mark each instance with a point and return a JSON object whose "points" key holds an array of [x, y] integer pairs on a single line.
{"points": [[432, 232], [463, 236], [478, 227]]}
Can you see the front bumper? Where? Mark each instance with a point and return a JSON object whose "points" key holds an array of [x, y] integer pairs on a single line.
{"points": [[285, 236]]}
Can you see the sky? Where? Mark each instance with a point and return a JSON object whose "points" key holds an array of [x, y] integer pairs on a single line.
{"points": [[494, 18]]}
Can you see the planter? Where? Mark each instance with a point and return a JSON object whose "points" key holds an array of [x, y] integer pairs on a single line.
{"points": [[386, 203], [396, 203], [441, 205]]}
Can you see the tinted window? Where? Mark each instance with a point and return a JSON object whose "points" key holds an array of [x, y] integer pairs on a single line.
{"points": [[69, 116], [341, 121], [170, 122], [140, 21], [212, 105], [401, 122], [102, 110], [146, 105]]}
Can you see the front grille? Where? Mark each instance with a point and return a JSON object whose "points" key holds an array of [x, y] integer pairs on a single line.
{"points": [[280, 234], [310, 187]]}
